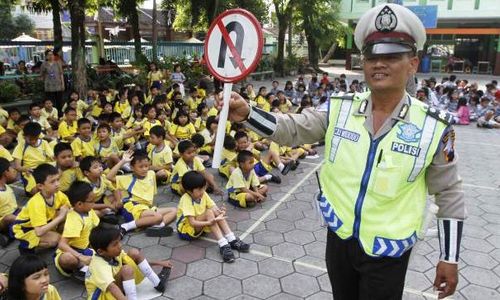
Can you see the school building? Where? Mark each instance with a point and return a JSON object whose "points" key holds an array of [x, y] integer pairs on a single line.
{"points": [[462, 35]]}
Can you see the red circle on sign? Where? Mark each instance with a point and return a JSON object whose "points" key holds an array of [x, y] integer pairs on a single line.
{"points": [[260, 44]]}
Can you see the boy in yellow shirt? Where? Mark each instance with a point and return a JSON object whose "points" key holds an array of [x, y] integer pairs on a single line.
{"points": [[228, 157], [244, 187], [105, 147], [68, 127], [138, 190], [35, 225], [8, 204], [197, 214], [83, 144], [31, 153], [73, 254], [49, 112], [160, 154], [187, 162], [68, 168], [114, 273], [35, 116]]}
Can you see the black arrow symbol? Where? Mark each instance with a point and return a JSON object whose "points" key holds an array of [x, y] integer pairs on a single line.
{"points": [[240, 34]]}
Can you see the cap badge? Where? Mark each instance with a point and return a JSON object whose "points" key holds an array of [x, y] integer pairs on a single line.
{"points": [[386, 20]]}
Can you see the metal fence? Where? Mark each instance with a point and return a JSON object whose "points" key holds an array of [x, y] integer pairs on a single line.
{"points": [[119, 52]]}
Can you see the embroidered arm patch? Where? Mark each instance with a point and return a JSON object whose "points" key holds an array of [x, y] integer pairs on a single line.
{"points": [[448, 141]]}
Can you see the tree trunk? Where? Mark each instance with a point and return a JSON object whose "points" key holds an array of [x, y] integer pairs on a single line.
{"points": [[312, 50], [289, 46], [155, 33], [56, 20], [134, 21], [78, 64], [279, 66], [330, 53]]}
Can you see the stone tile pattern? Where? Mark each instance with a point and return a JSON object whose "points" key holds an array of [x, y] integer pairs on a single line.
{"points": [[289, 244]]}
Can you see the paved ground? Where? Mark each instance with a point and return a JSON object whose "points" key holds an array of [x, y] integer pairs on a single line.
{"points": [[288, 242]]}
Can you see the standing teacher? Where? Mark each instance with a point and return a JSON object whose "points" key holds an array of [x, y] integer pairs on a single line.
{"points": [[52, 75], [384, 151]]}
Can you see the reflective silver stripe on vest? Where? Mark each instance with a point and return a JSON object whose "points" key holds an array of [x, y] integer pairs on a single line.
{"points": [[425, 143], [345, 109]]}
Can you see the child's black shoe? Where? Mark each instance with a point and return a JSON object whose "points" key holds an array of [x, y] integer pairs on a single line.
{"points": [[287, 168], [275, 179], [159, 231], [227, 254], [163, 275], [79, 275], [4, 240], [239, 245]]}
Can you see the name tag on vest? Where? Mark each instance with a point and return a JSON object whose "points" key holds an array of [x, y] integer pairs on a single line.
{"points": [[405, 149], [346, 134]]}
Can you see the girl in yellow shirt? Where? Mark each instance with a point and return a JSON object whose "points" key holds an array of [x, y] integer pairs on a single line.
{"points": [[182, 129], [29, 279]]}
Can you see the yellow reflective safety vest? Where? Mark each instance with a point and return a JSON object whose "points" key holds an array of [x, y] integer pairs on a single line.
{"points": [[375, 190]]}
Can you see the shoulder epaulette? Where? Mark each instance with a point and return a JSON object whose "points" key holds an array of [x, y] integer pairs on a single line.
{"points": [[440, 115], [343, 97]]}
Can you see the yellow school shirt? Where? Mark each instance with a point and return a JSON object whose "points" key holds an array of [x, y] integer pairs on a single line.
{"points": [[182, 132], [202, 94], [263, 103], [133, 122], [121, 106], [228, 160], [82, 147], [53, 114], [139, 190], [285, 107], [213, 112], [100, 188], [155, 76], [37, 212], [148, 125], [188, 207], [96, 109], [102, 273], [117, 136], [51, 294], [43, 122], [8, 202], [69, 176], [237, 181], [66, 130], [78, 226], [2, 130], [11, 125], [4, 115], [5, 154], [161, 158], [32, 157], [105, 152], [193, 103], [181, 168]]}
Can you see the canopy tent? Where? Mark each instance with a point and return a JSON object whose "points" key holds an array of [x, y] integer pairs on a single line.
{"points": [[192, 40], [25, 38]]}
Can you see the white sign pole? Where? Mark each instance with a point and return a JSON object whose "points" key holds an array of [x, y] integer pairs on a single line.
{"points": [[221, 127]]}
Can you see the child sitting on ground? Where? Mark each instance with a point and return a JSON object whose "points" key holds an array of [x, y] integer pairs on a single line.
{"points": [[197, 214], [65, 163], [29, 279], [114, 273], [244, 187], [73, 252], [160, 154], [36, 223], [83, 144], [187, 162], [8, 204], [68, 127], [139, 189], [105, 147]]}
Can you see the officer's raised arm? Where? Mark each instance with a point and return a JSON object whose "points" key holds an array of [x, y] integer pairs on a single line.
{"points": [[286, 129]]}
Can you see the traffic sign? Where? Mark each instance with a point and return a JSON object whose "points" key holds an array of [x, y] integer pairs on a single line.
{"points": [[233, 46]]}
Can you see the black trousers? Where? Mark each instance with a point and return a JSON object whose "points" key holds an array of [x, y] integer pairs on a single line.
{"points": [[356, 275]]}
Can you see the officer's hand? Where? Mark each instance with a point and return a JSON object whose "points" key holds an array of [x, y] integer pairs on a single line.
{"points": [[446, 279], [238, 108]]}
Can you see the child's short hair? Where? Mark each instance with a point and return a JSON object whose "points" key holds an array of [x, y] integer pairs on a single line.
{"points": [[180, 113], [69, 109], [193, 180], [86, 163], [201, 107], [229, 142], [33, 105], [102, 235], [104, 126], [43, 171], [60, 147], [192, 89], [32, 129], [114, 115], [13, 110], [22, 268], [240, 134], [146, 108], [139, 155], [83, 121], [4, 165], [198, 140], [243, 156], [185, 145], [210, 121], [22, 119], [158, 131], [47, 99], [78, 192]]}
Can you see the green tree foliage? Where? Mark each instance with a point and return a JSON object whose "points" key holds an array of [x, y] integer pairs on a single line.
{"points": [[23, 23], [55, 7], [11, 27]]}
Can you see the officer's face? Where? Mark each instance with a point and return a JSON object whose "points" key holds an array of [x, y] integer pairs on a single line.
{"points": [[390, 71]]}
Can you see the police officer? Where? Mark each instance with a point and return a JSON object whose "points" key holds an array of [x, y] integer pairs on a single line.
{"points": [[384, 151]]}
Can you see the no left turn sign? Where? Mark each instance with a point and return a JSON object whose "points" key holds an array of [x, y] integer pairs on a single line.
{"points": [[234, 45]]}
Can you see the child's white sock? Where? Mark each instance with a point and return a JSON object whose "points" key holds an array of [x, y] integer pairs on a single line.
{"points": [[162, 224], [281, 166], [129, 226], [148, 272], [268, 177], [222, 242], [230, 237], [130, 289], [84, 269]]}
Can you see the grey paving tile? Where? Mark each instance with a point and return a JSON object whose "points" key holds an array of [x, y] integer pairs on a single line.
{"points": [[417, 281], [268, 238], [299, 237], [222, 287], [480, 276], [478, 259], [284, 296], [324, 283], [204, 269], [320, 296], [288, 250], [275, 268], [479, 292], [279, 225], [69, 289], [157, 252], [184, 288], [240, 269], [142, 241], [308, 285], [261, 286]]}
